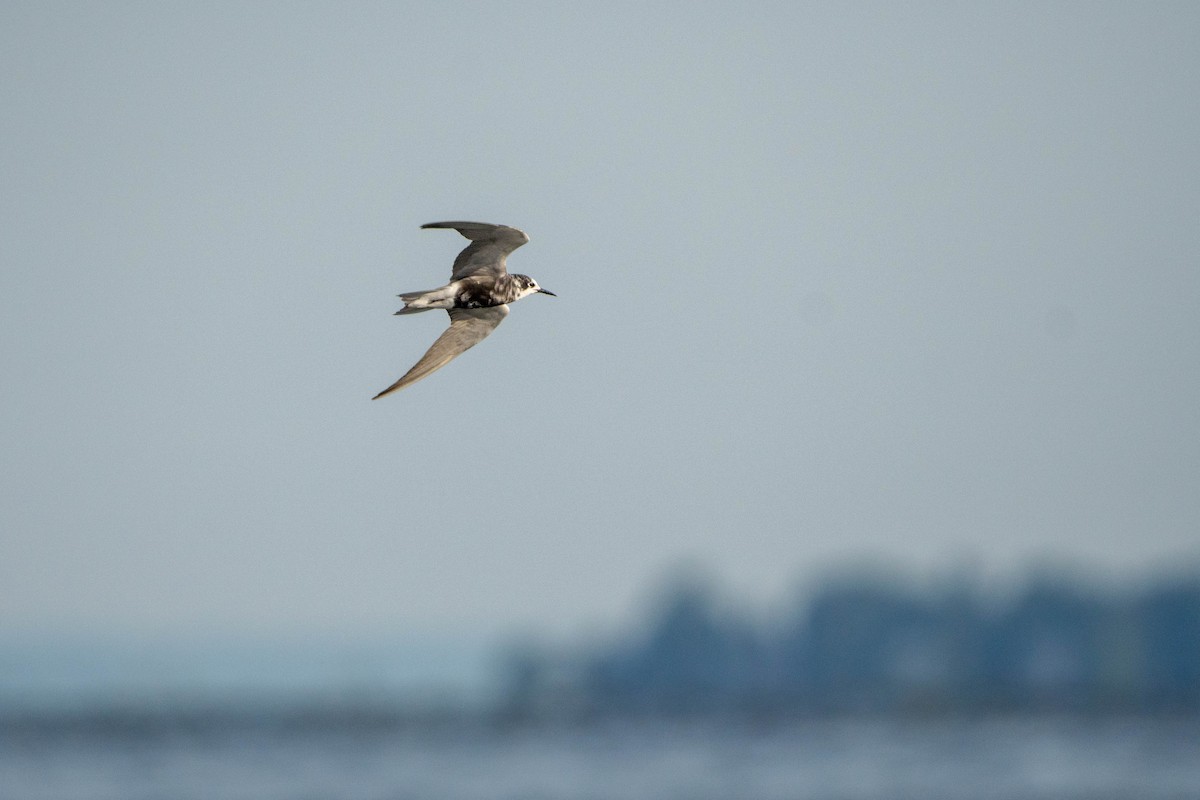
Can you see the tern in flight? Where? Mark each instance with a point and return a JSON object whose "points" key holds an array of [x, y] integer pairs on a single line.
{"points": [[476, 298]]}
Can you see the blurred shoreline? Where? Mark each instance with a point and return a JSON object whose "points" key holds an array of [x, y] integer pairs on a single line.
{"points": [[869, 687], [301, 719], [860, 645], [365, 751]]}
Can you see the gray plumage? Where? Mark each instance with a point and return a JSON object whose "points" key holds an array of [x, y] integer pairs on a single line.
{"points": [[476, 298], [488, 250]]}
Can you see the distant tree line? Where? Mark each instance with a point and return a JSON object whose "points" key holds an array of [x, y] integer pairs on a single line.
{"points": [[877, 646]]}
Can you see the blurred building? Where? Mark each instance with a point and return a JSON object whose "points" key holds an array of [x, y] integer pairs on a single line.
{"points": [[875, 646]]}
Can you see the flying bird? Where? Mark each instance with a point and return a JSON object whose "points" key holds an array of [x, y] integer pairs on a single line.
{"points": [[476, 298]]}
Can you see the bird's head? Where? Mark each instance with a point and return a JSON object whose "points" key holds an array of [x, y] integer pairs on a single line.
{"points": [[529, 286]]}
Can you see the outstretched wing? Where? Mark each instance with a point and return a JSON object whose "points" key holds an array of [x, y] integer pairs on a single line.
{"points": [[489, 247], [468, 327]]}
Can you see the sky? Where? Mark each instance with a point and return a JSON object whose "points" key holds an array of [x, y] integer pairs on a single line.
{"points": [[910, 283]]}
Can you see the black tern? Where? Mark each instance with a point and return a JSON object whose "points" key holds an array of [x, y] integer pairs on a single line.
{"points": [[476, 298]]}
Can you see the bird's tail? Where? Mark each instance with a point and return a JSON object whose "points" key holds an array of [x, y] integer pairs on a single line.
{"points": [[415, 302]]}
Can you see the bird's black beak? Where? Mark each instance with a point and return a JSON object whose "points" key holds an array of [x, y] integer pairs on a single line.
{"points": [[544, 291]]}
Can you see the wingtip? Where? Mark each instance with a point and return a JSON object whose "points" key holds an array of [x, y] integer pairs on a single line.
{"points": [[461, 225], [395, 387]]}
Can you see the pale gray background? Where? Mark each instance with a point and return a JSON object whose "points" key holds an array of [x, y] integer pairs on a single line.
{"points": [[911, 282]]}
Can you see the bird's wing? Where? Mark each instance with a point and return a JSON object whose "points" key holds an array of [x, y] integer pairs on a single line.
{"points": [[489, 247], [468, 327]]}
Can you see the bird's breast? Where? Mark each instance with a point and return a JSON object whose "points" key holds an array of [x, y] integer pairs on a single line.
{"points": [[482, 294]]}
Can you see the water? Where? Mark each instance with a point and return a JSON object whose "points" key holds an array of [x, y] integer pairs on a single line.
{"points": [[361, 755]]}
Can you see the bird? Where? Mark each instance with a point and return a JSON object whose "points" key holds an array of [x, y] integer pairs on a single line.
{"points": [[476, 298]]}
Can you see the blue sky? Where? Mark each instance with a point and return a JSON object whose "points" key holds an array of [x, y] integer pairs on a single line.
{"points": [[913, 283]]}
